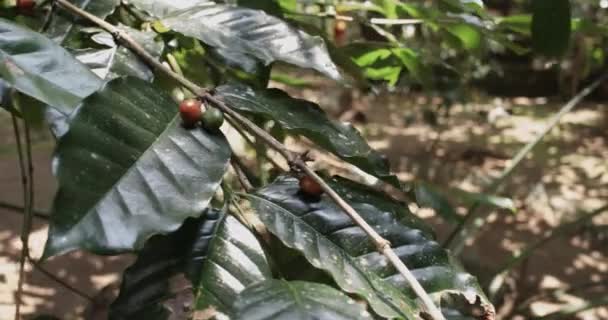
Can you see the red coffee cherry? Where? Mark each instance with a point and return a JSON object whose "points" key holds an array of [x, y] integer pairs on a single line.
{"points": [[25, 6], [190, 111], [310, 187]]}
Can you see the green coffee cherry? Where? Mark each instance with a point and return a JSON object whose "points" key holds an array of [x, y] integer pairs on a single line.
{"points": [[212, 119]]}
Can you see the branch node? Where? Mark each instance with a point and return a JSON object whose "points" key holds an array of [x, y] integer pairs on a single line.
{"points": [[382, 245]]}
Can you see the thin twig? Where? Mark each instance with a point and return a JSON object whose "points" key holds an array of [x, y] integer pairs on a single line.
{"points": [[474, 218], [24, 247], [292, 158], [19, 209], [237, 165]]}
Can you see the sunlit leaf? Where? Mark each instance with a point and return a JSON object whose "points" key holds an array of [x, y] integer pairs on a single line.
{"points": [[127, 170], [36, 66], [330, 240], [280, 299], [65, 25], [200, 268], [305, 118], [253, 32]]}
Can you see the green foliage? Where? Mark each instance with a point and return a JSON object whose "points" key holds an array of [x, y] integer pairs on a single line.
{"points": [[296, 300], [551, 26], [127, 169], [305, 118], [36, 66], [132, 179]]}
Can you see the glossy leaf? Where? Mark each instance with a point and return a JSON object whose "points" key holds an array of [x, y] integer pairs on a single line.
{"points": [[551, 26], [315, 238], [127, 170], [253, 32], [319, 229], [307, 119], [65, 25], [284, 300], [163, 8], [36, 66], [215, 248], [116, 61], [150, 283], [229, 262]]}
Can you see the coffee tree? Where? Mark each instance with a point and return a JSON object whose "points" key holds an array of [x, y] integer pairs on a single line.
{"points": [[135, 93]]}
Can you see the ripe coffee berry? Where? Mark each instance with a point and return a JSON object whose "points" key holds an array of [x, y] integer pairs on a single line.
{"points": [[190, 111], [25, 6], [310, 187]]}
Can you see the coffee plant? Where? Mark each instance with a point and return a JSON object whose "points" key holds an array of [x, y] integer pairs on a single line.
{"points": [[135, 93]]}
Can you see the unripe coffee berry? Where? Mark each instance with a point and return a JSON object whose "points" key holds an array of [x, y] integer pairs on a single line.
{"points": [[212, 119], [310, 187], [190, 111]]}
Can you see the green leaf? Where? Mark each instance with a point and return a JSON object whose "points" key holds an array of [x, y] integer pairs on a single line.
{"points": [[551, 26], [65, 25], [253, 32], [215, 248], [305, 118], [319, 240], [470, 37], [280, 299], [232, 261], [36, 66], [320, 229], [520, 23], [116, 61], [127, 170], [487, 199], [428, 197], [151, 281], [163, 8]]}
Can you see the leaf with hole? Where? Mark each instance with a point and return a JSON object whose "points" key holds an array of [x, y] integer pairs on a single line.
{"points": [[36, 66], [330, 240], [305, 118], [287, 300], [127, 170]]}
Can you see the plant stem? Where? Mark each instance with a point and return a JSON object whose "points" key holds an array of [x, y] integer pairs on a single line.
{"points": [[24, 247], [292, 158], [474, 217], [19, 209], [237, 165]]}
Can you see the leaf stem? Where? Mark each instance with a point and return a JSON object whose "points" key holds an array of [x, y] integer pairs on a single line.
{"points": [[474, 217], [292, 158], [237, 165]]}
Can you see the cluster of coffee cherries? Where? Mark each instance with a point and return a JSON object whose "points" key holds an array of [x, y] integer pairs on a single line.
{"points": [[194, 111]]}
